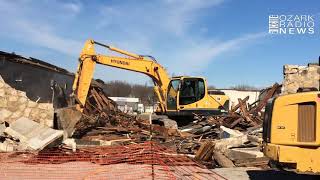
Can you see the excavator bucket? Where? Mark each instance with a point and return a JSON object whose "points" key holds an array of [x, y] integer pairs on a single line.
{"points": [[67, 118]]}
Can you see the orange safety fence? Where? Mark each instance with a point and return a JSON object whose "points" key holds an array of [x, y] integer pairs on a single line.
{"points": [[147, 160]]}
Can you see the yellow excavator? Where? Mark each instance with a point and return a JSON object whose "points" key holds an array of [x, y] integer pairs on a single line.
{"points": [[291, 131], [178, 96]]}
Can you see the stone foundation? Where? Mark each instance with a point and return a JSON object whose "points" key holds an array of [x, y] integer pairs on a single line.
{"points": [[296, 77], [14, 104]]}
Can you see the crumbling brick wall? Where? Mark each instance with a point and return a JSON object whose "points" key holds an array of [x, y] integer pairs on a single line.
{"points": [[15, 104], [296, 77]]}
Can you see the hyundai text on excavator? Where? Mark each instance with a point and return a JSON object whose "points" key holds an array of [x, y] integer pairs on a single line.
{"points": [[291, 131], [178, 96]]}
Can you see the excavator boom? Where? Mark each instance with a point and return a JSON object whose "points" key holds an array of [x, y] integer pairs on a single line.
{"points": [[133, 62], [180, 96]]}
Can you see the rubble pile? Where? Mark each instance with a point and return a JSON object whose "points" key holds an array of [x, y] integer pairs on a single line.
{"points": [[215, 145], [229, 149], [100, 111], [245, 115], [102, 122], [233, 139]]}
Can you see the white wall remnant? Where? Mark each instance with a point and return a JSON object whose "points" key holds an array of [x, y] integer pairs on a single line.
{"points": [[235, 94]]}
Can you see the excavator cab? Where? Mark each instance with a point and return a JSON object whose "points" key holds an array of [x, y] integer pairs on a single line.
{"points": [[184, 91], [188, 95], [192, 90]]}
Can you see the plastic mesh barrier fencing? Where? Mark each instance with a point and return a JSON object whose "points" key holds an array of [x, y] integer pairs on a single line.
{"points": [[137, 161]]}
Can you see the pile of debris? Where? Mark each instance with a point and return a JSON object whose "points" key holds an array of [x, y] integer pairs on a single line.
{"points": [[241, 117], [101, 111], [216, 141], [27, 125], [27, 135], [245, 115], [233, 139], [233, 149], [101, 123]]}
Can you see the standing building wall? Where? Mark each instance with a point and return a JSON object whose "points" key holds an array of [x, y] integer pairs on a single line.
{"points": [[296, 77]]}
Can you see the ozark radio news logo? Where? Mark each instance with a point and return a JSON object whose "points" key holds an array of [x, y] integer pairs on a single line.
{"points": [[291, 24]]}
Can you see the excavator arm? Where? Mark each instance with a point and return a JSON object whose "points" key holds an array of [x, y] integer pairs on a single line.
{"points": [[132, 62]]}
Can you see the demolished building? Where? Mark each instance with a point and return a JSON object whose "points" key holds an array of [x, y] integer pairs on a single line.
{"points": [[33, 91]]}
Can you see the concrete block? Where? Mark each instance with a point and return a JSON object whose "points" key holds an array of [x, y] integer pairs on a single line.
{"points": [[22, 100], [4, 114], [27, 112], [45, 106], [2, 92], [3, 102], [48, 122], [13, 106], [227, 132], [43, 115], [290, 69], [243, 153], [22, 94], [32, 104], [34, 135], [16, 115], [22, 107], [223, 144], [35, 114], [13, 98]]}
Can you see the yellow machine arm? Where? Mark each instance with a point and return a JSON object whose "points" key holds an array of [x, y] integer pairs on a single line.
{"points": [[133, 62]]}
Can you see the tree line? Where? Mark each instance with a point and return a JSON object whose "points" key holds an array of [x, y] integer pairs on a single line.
{"points": [[123, 89], [145, 92]]}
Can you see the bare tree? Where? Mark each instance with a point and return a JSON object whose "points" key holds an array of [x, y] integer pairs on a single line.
{"points": [[144, 93], [118, 88], [123, 89], [211, 87], [243, 87]]}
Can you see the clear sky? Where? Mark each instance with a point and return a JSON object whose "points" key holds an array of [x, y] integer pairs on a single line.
{"points": [[226, 41]]}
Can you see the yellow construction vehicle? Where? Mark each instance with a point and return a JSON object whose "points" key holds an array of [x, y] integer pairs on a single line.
{"points": [[291, 131], [177, 96]]}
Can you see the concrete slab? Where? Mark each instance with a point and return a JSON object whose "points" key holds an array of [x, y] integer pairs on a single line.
{"points": [[228, 133], [32, 134], [236, 173], [223, 144], [243, 153]]}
